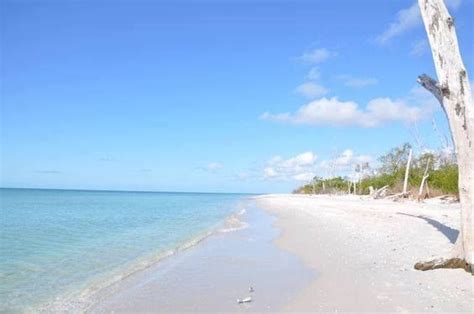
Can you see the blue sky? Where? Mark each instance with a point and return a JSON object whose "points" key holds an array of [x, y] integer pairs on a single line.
{"points": [[236, 96]]}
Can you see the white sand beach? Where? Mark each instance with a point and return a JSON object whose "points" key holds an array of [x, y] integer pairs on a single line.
{"points": [[363, 251], [316, 254]]}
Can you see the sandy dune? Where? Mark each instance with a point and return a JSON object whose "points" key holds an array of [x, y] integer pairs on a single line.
{"points": [[364, 251]]}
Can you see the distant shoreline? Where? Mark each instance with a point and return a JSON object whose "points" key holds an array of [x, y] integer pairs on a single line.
{"points": [[127, 191]]}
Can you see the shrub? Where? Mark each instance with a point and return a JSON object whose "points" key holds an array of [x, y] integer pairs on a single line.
{"points": [[443, 176]]}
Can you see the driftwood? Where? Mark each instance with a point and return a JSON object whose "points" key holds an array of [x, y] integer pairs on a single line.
{"points": [[398, 196], [246, 300], [447, 198], [380, 193]]}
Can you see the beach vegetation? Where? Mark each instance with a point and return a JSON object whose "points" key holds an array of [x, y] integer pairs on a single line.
{"points": [[442, 177]]}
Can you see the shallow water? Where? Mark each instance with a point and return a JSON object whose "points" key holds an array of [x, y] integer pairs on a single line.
{"points": [[211, 276], [58, 247]]}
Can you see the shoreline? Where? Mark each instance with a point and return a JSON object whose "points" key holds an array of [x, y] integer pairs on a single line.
{"points": [[303, 254], [212, 275], [364, 251], [86, 298], [61, 248]]}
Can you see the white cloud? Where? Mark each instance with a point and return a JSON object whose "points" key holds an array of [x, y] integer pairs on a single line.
{"points": [[107, 158], [316, 56], [213, 167], [301, 160], [278, 117], [344, 163], [381, 110], [242, 176], [356, 82], [48, 171], [311, 90], [419, 48], [299, 167], [333, 112], [323, 111], [408, 19], [314, 74], [360, 82], [269, 172], [305, 176], [344, 158], [303, 167]]}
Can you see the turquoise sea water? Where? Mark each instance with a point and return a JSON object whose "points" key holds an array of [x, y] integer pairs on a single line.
{"points": [[59, 247]]}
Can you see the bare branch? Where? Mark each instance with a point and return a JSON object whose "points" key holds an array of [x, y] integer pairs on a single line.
{"points": [[432, 86]]}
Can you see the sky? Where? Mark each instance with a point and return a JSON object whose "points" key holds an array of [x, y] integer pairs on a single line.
{"points": [[212, 96]]}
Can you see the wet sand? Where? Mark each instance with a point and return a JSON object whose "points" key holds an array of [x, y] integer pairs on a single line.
{"points": [[211, 276]]}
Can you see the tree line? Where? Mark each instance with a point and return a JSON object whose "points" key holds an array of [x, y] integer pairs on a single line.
{"points": [[439, 168]]}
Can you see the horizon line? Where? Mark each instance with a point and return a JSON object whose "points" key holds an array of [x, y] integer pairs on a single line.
{"points": [[136, 191]]}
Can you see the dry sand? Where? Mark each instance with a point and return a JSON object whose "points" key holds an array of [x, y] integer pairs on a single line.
{"points": [[364, 250]]}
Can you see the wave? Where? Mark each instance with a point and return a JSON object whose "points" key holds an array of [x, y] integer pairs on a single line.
{"points": [[234, 222]]}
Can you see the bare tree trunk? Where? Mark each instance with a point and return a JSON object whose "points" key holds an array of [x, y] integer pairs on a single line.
{"points": [[454, 93], [407, 172], [423, 180], [371, 191]]}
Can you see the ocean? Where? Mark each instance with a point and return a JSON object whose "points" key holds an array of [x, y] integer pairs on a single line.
{"points": [[59, 248]]}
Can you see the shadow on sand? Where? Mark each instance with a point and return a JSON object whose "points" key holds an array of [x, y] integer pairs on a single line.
{"points": [[448, 232]]}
